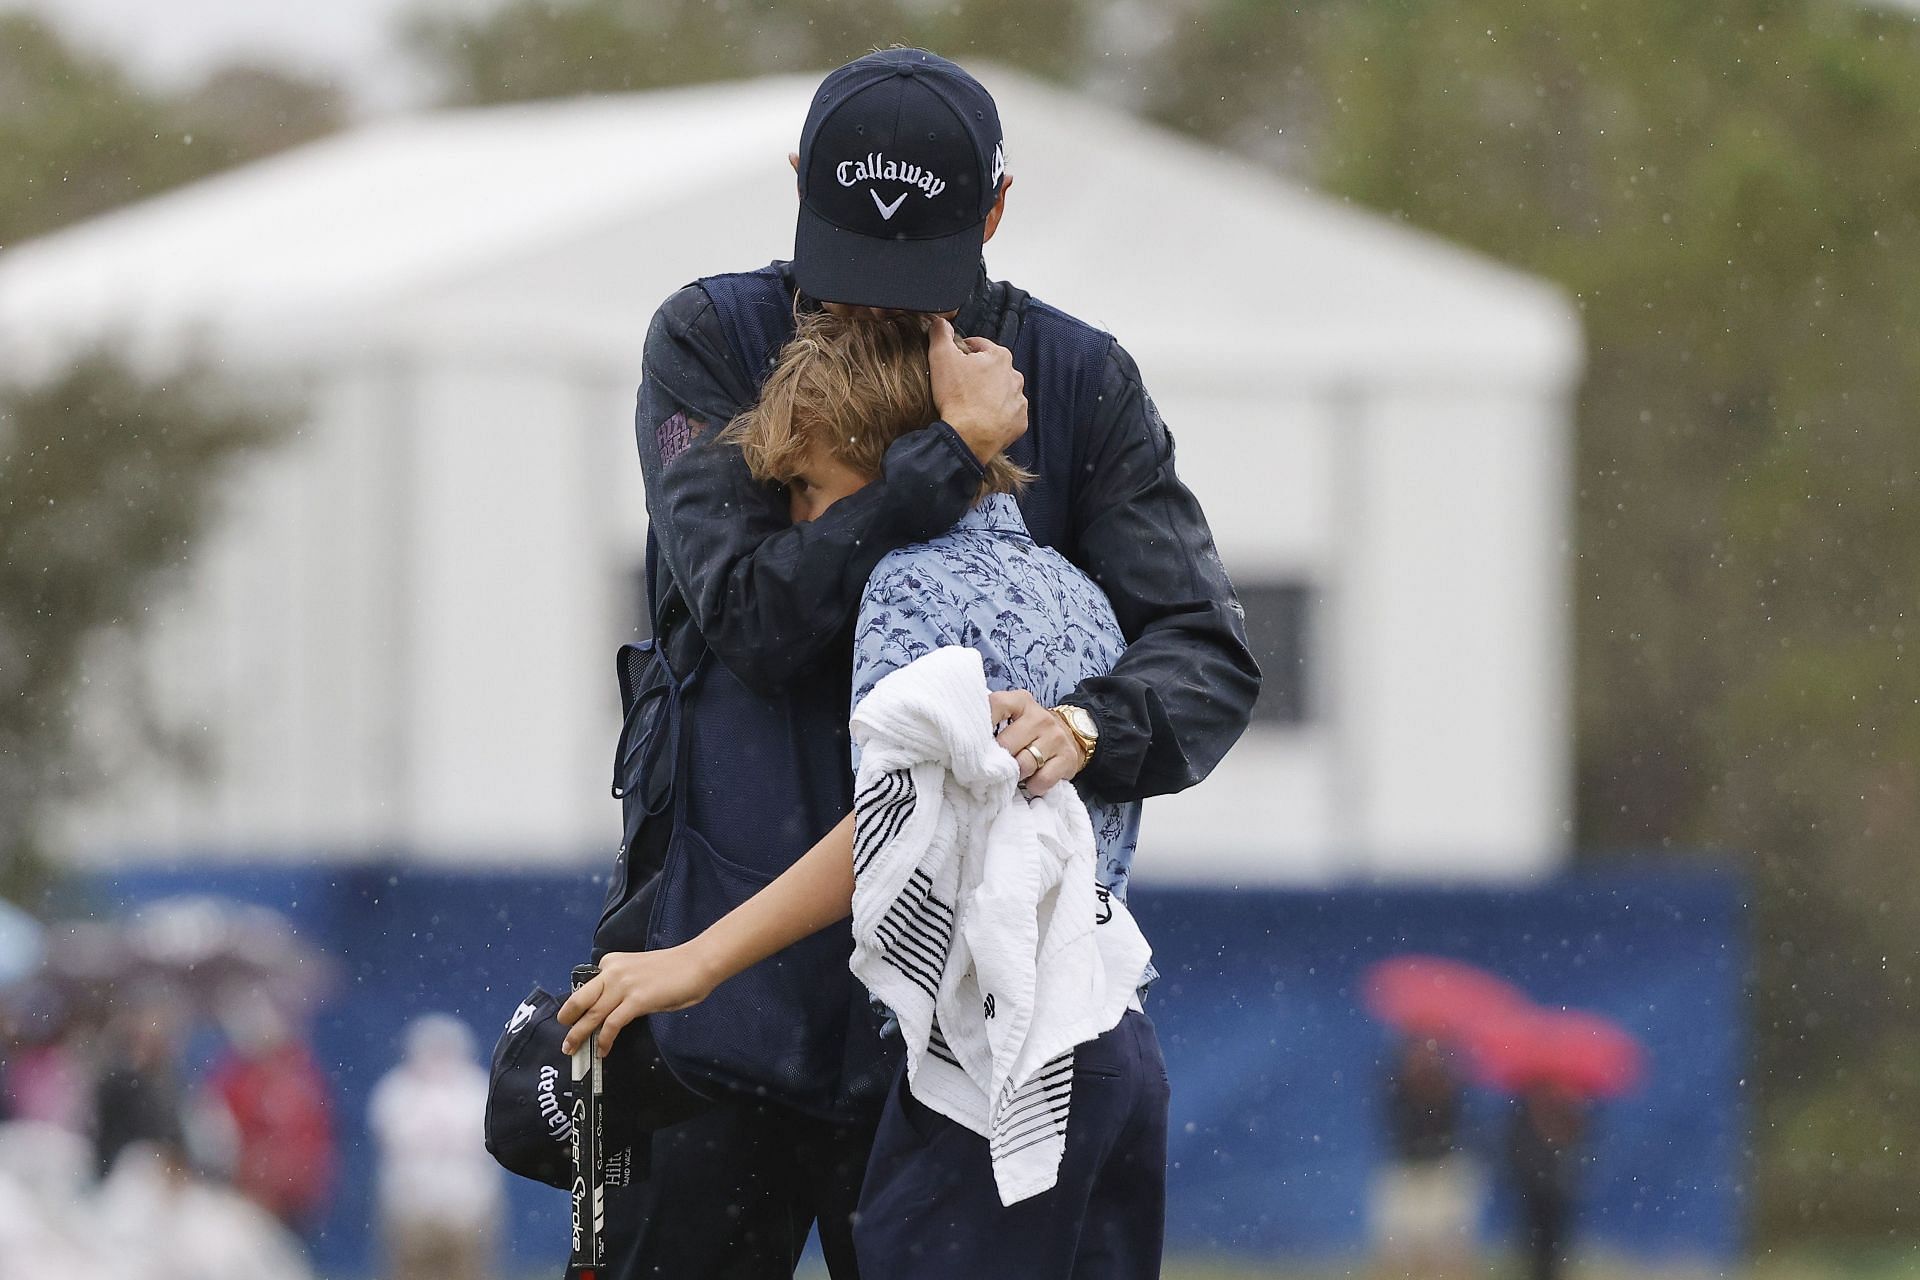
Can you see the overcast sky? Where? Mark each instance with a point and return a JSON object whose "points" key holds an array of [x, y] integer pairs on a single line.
{"points": [[175, 41]]}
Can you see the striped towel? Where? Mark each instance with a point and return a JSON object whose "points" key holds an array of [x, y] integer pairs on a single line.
{"points": [[975, 917]]}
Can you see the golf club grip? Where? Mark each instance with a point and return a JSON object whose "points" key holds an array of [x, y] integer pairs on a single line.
{"points": [[589, 1194]]}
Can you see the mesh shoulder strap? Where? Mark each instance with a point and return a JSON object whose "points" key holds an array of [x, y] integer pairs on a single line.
{"points": [[756, 309]]}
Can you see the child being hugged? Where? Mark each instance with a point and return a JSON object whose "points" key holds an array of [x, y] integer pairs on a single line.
{"points": [[844, 389]]}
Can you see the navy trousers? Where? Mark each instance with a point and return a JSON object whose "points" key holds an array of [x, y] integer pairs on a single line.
{"points": [[732, 1193], [929, 1207]]}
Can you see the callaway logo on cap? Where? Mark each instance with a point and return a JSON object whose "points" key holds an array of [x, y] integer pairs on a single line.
{"points": [[900, 162]]}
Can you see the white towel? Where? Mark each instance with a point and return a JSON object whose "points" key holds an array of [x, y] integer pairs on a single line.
{"points": [[976, 917]]}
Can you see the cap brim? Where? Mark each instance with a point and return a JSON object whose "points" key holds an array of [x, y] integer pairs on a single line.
{"points": [[834, 265]]}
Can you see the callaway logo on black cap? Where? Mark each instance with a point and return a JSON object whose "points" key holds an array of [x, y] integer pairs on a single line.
{"points": [[900, 162]]}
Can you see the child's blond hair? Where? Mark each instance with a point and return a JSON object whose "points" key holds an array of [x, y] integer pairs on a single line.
{"points": [[854, 385]]}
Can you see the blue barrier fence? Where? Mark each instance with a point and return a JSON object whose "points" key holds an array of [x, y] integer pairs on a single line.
{"points": [[1277, 1070]]}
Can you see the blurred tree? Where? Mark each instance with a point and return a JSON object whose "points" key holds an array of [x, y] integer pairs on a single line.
{"points": [[78, 136], [105, 474], [241, 113], [1730, 195], [543, 49], [106, 478]]}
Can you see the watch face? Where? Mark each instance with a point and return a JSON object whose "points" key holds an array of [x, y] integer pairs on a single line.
{"points": [[1081, 721]]}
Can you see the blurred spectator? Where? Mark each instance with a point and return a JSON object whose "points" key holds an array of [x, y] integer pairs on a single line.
{"points": [[43, 1078], [152, 1218], [158, 1220], [138, 1096], [46, 1173], [276, 1095], [1543, 1152], [1427, 1200], [440, 1191]]}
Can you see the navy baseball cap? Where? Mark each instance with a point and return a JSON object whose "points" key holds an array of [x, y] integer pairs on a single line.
{"points": [[900, 163], [529, 1114]]}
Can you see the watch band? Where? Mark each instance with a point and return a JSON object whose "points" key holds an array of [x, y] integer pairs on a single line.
{"points": [[1087, 743]]}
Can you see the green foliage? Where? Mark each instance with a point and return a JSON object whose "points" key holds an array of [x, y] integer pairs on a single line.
{"points": [[1729, 194], [107, 477], [78, 136], [1845, 1153], [540, 49]]}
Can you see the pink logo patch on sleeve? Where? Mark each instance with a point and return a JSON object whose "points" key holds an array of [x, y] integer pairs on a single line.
{"points": [[672, 437]]}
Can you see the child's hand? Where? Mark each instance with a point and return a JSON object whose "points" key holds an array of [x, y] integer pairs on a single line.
{"points": [[633, 984]]}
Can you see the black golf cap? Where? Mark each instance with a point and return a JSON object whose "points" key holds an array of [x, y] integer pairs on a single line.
{"points": [[900, 162]]}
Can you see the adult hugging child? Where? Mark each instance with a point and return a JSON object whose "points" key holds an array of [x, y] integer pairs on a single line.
{"points": [[782, 593]]}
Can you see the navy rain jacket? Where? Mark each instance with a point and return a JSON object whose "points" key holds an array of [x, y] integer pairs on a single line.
{"points": [[776, 602]]}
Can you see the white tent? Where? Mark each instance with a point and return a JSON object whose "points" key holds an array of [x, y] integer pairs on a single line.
{"points": [[402, 637]]}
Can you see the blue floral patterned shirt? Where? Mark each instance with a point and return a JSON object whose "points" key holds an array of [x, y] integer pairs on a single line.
{"points": [[1037, 621]]}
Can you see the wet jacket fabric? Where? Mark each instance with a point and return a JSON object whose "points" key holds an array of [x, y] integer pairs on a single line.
{"points": [[776, 601], [755, 616]]}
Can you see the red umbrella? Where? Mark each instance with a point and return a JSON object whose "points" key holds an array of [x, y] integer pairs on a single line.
{"points": [[1433, 997], [1582, 1053]]}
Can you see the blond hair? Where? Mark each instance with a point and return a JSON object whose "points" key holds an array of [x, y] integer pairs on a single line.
{"points": [[852, 385]]}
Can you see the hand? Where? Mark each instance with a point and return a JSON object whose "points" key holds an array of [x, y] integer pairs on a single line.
{"points": [[1028, 724], [632, 984], [977, 390]]}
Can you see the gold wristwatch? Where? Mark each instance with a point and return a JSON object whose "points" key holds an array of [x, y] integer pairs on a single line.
{"points": [[1086, 734]]}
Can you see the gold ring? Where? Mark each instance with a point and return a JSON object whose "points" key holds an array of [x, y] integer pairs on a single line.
{"points": [[1039, 761]]}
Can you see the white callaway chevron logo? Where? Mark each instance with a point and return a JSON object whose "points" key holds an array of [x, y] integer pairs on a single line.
{"points": [[522, 1016], [887, 210]]}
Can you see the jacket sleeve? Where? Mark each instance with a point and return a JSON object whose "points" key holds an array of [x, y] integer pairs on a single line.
{"points": [[768, 596], [1183, 691]]}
